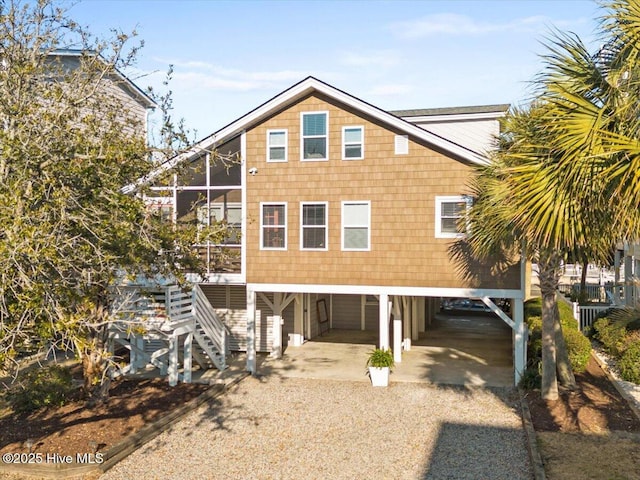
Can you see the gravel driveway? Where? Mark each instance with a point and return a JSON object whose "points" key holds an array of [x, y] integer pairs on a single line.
{"points": [[290, 428]]}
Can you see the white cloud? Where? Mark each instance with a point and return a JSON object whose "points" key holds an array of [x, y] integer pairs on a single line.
{"points": [[201, 74], [455, 24]]}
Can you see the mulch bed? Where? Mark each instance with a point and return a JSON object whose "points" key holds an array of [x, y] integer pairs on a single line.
{"points": [[595, 407], [77, 428]]}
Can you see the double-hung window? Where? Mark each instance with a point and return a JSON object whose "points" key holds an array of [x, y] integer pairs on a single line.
{"points": [[314, 139], [450, 215], [276, 145], [356, 225], [313, 235], [273, 226], [353, 143]]}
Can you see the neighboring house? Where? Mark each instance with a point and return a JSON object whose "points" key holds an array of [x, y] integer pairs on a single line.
{"points": [[346, 212], [124, 97]]}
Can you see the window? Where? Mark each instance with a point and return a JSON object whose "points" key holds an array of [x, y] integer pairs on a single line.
{"points": [[276, 145], [356, 225], [449, 211], [273, 226], [313, 226], [352, 143], [232, 214], [314, 136]]}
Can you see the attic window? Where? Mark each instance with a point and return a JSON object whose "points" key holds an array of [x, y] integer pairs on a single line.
{"points": [[276, 145], [402, 144], [352, 143], [314, 136]]}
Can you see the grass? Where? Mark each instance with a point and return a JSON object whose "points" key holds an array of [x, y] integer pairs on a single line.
{"points": [[577, 456]]}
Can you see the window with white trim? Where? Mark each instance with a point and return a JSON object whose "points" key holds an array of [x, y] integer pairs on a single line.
{"points": [[450, 212], [353, 143], [273, 226], [314, 139], [313, 226], [356, 225], [277, 145]]}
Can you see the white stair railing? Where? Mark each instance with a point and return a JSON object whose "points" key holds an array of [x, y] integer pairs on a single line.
{"points": [[214, 341]]}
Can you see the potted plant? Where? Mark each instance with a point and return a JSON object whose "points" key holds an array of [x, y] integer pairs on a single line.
{"points": [[379, 364]]}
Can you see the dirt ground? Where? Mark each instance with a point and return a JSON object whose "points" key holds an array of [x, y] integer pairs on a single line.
{"points": [[76, 428], [588, 434]]}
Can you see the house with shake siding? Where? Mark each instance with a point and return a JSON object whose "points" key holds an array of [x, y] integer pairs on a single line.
{"points": [[345, 216]]}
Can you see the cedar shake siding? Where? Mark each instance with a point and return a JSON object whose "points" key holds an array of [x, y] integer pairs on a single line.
{"points": [[401, 190]]}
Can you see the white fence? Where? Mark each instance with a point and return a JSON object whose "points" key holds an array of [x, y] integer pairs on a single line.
{"points": [[586, 315]]}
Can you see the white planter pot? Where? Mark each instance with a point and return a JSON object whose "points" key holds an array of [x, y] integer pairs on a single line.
{"points": [[379, 376]]}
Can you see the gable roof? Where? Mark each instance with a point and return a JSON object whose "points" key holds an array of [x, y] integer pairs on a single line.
{"points": [[297, 92], [131, 88]]}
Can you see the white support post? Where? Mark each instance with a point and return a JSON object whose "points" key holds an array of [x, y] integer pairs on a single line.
{"points": [[251, 331], [187, 352], [415, 335], [296, 339], [421, 314], [133, 355], [173, 361], [628, 280], [397, 340], [406, 315], [276, 321], [384, 320], [519, 339]]}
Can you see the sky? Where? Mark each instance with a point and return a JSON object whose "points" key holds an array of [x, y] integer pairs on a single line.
{"points": [[229, 57]]}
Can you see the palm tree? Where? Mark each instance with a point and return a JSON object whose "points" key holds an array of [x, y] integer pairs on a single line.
{"points": [[565, 178], [517, 183]]}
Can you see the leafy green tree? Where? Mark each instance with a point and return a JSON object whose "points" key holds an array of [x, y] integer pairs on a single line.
{"points": [[68, 145]]}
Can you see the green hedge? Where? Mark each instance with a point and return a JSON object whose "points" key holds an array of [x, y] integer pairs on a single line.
{"points": [[578, 346], [620, 338], [533, 308], [629, 363], [611, 334]]}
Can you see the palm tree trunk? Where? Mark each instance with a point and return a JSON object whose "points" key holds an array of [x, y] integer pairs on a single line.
{"points": [[549, 276], [563, 365], [582, 295]]}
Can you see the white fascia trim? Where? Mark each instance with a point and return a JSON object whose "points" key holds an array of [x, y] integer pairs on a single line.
{"points": [[403, 125], [243, 199], [387, 290], [297, 92]]}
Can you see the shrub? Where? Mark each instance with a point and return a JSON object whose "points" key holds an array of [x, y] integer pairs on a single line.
{"points": [[534, 351], [629, 363], [533, 308], [531, 378], [578, 346], [43, 387], [578, 349], [610, 334]]}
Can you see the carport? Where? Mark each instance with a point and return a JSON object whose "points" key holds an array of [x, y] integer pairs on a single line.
{"points": [[472, 350], [430, 357]]}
